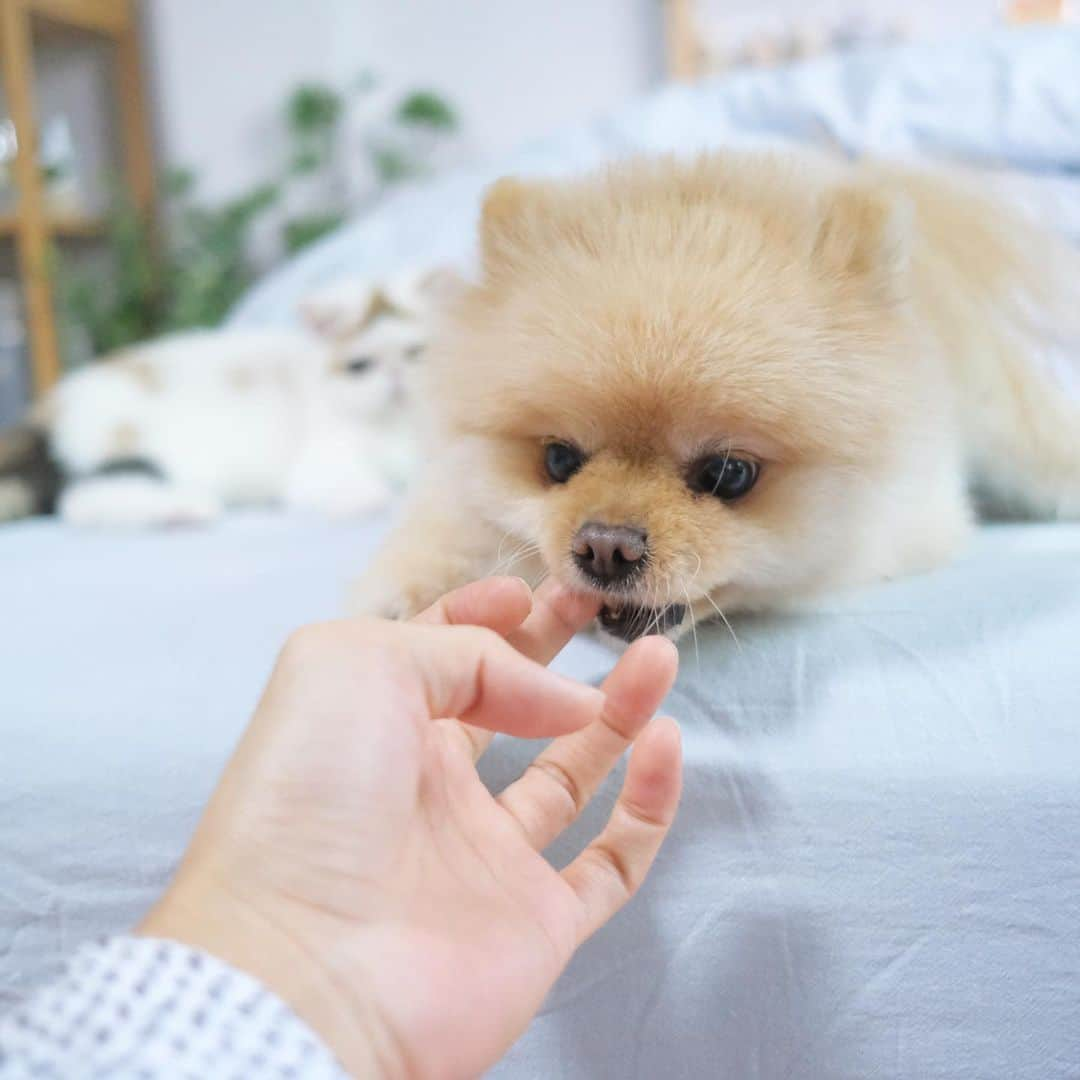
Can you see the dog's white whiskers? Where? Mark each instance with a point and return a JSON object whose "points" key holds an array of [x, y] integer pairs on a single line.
{"points": [[693, 623], [499, 551], [522, 551], [731, 630], [657, 610], [697, 569]]}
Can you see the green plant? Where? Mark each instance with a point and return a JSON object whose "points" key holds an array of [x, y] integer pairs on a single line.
{"points": [[190, 279], [208, 266], [427, 109], [391, 164], [312, 116], [190, 272], [299, 232], [125, 304]]}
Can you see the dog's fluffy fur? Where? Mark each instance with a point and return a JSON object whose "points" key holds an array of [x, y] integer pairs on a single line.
{"points": [[872, 336]]}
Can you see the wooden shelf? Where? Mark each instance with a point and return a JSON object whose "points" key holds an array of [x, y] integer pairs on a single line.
{"points": [[683, 44], [76, 225], [31, 224], [110, 17]]}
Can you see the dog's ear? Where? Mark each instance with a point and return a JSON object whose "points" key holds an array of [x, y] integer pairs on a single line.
{"points": [[864, 235], [509, 219]]}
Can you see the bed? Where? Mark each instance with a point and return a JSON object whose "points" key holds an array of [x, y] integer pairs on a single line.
{"points": [[876, 870]]}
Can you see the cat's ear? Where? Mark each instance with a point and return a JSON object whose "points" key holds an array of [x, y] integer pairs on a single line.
{"points": [[863, 236], [510, 220], [442, 286], [421, 293], [341, 309]]}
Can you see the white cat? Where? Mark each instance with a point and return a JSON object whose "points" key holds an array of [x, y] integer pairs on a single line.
{"points": [[174, 430]]}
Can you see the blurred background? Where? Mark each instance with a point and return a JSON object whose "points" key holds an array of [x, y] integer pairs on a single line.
{"points": [[157, 157], [875, 869]]}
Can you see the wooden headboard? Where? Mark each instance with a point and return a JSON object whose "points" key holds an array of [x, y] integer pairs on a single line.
{"points": [[684, 45], [698, 44]]}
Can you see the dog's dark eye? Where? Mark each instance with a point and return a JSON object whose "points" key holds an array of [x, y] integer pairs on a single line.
{"points": [[726, 477], [359, 364], [562, 460]]}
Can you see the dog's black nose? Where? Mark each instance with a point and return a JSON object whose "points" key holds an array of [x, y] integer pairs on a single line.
{"points": [[609, 553]]}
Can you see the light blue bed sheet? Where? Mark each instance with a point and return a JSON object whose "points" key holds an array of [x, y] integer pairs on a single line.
{"points": [[875, 872]]}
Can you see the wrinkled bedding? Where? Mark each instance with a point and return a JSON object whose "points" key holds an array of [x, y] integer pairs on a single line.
{"points": [[875, 872]]}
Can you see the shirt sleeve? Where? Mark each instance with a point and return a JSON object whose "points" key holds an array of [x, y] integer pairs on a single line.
{"points": [[146, 1009]]}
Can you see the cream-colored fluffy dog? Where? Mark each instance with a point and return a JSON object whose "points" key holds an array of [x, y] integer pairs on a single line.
{"points": [[731, 384]]}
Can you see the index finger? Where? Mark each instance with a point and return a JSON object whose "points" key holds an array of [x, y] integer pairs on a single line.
{"points": [[476, 676], [537, 626], [557, 615], [539, 632], [500, 603]]}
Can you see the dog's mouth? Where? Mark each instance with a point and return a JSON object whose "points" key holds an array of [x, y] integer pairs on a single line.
{"points": [[629, 622]]}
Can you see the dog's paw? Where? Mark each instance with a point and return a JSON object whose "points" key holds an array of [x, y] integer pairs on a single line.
{"points": [[377, 596], [361, 504]]}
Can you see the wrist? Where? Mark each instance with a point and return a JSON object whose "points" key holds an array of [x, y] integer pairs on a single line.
{"points": [[262, 943]]}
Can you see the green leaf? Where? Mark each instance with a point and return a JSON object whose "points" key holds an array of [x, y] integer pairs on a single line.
{"points": [[253, 203], [301, 232], [425, 108], [392, 165], [313, 107], [305, 162], [178, 183]]}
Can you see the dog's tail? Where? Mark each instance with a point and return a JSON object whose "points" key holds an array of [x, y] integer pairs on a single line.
{"points": [[30, 479]]}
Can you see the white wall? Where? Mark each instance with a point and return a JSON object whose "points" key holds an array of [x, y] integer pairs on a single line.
{"points": [[217, 71], [517, 69]]}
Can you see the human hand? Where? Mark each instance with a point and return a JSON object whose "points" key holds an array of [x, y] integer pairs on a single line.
{"points": [[353, 861]]}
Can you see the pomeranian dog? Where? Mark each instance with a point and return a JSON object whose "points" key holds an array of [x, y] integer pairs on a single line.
{"points": [[731, 384]]}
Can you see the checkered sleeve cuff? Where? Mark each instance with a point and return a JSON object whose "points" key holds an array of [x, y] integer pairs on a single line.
{"points": [[145, 1009]]}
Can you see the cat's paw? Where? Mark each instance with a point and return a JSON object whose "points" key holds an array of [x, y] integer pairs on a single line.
{"points": [[356, 504], [1068, 507], [135, 502]]}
